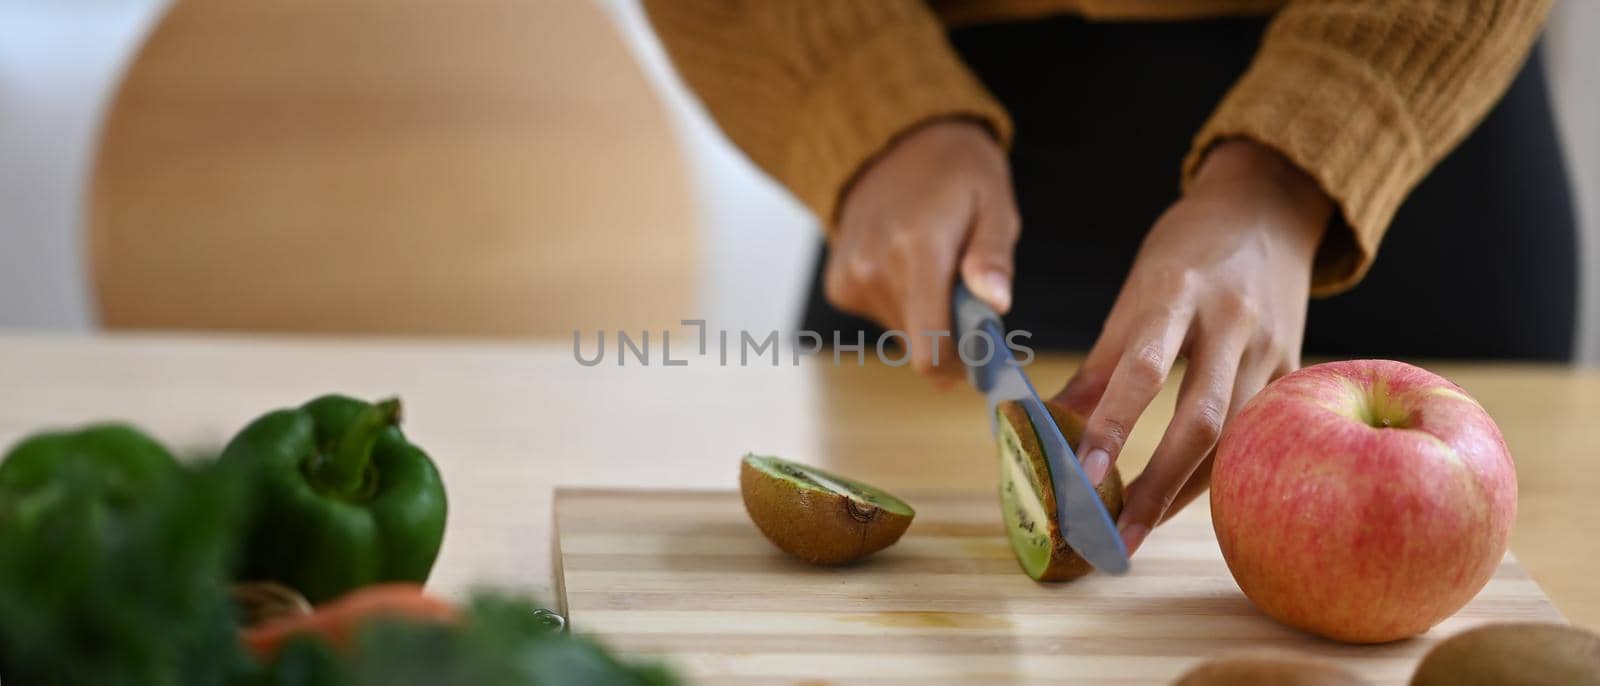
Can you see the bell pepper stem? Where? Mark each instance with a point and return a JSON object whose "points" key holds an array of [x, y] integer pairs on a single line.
{"points": [[344, 470]]}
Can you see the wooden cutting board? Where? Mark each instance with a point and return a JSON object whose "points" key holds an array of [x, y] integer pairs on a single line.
{"points": [[686, 576]]}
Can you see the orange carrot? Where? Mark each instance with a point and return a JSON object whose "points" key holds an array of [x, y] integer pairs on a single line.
{"points": [[337, 620]]}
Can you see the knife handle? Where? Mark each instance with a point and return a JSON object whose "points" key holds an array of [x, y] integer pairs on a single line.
{"points": [[969, 313]]}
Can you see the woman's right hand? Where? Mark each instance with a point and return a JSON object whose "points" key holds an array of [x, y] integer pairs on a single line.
{"points": [[937, 204]]}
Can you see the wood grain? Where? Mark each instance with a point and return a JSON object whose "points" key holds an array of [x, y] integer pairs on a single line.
{"points": [[510, 422], [685, 577], [473, 167]]}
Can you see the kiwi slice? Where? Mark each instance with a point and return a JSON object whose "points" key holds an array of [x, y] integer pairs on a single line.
{"points": [[1267, 671], [1524, 653], [819, 517], [1028, 498]]}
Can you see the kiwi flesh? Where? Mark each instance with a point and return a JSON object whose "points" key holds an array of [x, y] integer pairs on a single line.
{"points": [[1519, 653], [1267, 671], [816, 516], [1028, 499]]}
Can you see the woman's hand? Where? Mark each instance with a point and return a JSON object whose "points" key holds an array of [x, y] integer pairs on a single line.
{"points": [[1222, 280], [937, 202]]}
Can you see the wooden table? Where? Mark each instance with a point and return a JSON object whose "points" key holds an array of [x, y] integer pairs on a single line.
{"points": [[508, 422]]}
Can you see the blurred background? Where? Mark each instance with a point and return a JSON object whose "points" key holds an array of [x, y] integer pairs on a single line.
{"points": [[425, 167]]}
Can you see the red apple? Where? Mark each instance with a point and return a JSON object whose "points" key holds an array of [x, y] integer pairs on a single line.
{"points": [[1363, 501]]}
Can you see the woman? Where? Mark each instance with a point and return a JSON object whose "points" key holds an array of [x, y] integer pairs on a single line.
{"points": [[1190, 174]]}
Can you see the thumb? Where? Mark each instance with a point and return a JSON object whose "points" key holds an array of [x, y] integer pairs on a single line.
{"points": [[986, 267]]}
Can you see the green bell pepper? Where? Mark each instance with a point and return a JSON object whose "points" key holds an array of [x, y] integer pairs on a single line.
{"points": [[346, 501], [118, 461], [113, 558]]}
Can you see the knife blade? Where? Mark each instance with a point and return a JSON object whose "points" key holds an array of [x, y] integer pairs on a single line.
{"points": [[1083, 519]]}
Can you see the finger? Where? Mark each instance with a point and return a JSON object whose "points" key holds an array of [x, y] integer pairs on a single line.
{"points": [[1204, 402], [1088, 384], [1245, 388], [890, 314], [988, 260], [885, 309], [1083, 392], [930, 275], [1139, 375], [1202, 408], [859, 279], [1197, 484], [842, 280], [1253, 376]]}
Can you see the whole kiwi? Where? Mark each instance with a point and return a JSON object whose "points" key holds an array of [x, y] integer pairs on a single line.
{"points": [[1513, 654], [816, 516], [1028, 498], [1267, 671]]}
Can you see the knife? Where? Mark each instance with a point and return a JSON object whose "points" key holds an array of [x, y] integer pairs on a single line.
{"points": [[1083, 519]]}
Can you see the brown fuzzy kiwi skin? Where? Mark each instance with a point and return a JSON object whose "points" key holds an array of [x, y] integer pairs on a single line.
{"points": [[1523, 653], [821, 528], [1065, 563], [1267, 671]]}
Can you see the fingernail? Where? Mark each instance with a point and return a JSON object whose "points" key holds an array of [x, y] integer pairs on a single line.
{"points": [[998, 286], [1133, 535], [1096, 464]]}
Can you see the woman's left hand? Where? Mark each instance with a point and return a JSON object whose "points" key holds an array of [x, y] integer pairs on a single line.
{"points": [[1222, 280]]}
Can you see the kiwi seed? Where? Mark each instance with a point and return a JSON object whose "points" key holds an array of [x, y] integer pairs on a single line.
{"points": [[1028, 499]]}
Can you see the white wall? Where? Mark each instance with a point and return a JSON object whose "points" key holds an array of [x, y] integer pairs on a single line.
{"points": [[1573, 55], [59, 60], [761, 241]]}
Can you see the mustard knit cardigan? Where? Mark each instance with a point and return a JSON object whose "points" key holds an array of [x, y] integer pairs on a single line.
{"points": [[1364, 95]]}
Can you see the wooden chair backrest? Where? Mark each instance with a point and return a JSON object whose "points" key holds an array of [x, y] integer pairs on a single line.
{"points": [[470, 167]]}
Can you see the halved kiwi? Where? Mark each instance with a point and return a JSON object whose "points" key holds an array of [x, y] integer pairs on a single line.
{"points": [[1028, 498], [819, 517], [1267, 671], [1525, 653]]}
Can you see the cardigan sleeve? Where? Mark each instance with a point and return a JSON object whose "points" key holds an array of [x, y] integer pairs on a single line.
{"points": [[812, 90], [1367, 96]]}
